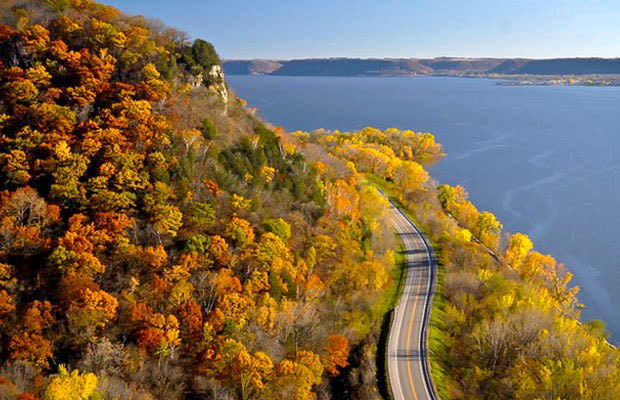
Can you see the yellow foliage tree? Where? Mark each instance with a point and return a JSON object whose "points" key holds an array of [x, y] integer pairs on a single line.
{"points": [[518, 248], [71, 386]]}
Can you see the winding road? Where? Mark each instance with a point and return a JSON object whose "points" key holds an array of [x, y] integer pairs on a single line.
{"points": [[408, 363]]}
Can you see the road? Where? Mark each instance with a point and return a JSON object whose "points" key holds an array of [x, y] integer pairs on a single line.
{"points": [[408, 364]]}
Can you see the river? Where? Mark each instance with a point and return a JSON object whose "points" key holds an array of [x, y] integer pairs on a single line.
{"points": [[544, 159]]}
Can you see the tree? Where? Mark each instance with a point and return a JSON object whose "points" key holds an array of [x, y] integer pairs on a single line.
{"points": [[240, 231], [192, 318], [267, 173], [518, 248], [32, 348], [249, 372], [167, 219], [335, 354], [15, 166], [200, 214], [208, 129], [279, 227], [343, 198], [410, 176], [218, 248], [6, 304], [38, 316], [155, 331], [92, 308], [294, 379], [488, 229], [201, 57], [235, 308], [71, 386], [212, 187], [535, 263]]}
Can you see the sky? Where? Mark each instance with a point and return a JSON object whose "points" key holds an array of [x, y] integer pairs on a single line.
{"points": [[286, 29]]}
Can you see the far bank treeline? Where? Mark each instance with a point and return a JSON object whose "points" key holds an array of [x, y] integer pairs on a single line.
{"points": [[448, 66], [506, 322]]}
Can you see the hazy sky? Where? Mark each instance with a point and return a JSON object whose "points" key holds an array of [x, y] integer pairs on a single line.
{"points": [[393, 28]]}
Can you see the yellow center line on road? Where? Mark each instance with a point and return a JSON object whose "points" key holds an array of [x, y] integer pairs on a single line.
{"points": [[415, 302]]}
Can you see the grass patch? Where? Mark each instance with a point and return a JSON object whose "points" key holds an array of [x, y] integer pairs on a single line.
{"points": [[437, 337], [392, 296]]}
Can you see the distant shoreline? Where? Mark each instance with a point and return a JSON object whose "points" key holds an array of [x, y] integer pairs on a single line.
{"points": [[509, 72], [514, 80]]}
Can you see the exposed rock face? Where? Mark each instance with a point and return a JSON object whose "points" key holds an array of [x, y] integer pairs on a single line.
{"points": [[214, 81], [217, 83], [195, 80]]}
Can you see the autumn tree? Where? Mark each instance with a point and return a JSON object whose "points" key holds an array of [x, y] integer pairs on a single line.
{"points": [[518, 247], [32, 348], [336, 353], [71, 385], [410, 176]]}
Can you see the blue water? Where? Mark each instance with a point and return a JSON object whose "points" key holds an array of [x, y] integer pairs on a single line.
{"points": [[543, 159]]}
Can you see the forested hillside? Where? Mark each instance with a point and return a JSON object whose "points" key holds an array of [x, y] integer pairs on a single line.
{"points": [[505, 323], [159, 241]]}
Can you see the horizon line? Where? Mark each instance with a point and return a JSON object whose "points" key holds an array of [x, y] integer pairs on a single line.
{"points": [[415, 58]]}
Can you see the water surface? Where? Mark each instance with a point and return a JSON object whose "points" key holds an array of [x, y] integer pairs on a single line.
{"points": [[544, 159]]}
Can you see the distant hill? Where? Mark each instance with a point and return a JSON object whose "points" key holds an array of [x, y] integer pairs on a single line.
{"points": [[560, 66], [461, 65], [351, 67], [413, 66], [510, 66], [252, 67]]}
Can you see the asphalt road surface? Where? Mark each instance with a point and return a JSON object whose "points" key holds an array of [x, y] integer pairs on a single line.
{"points": [[408, 364]]}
